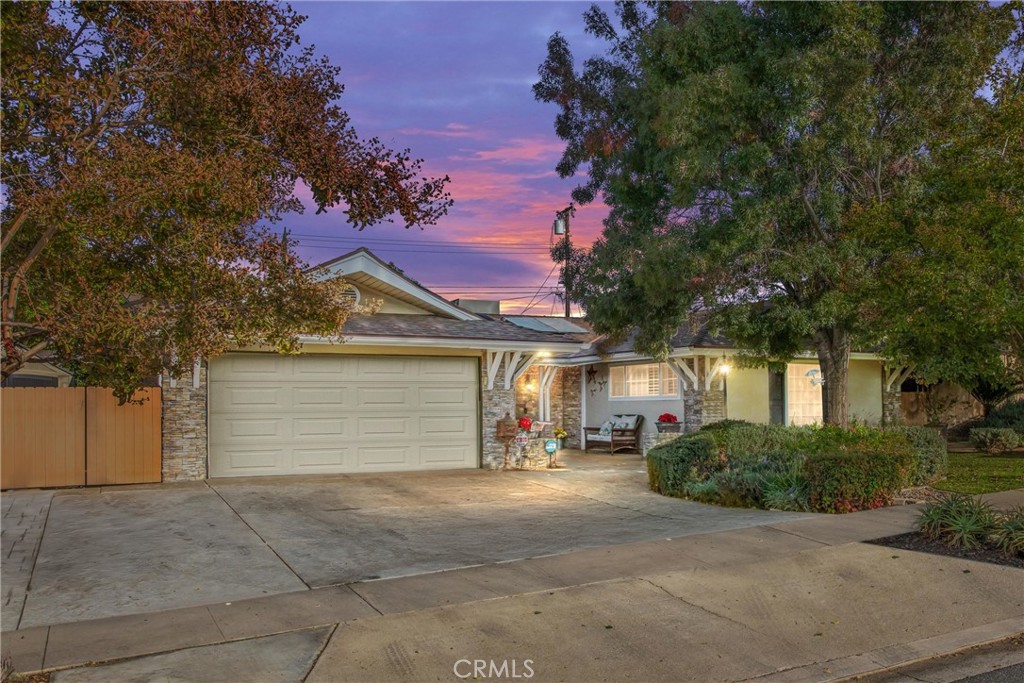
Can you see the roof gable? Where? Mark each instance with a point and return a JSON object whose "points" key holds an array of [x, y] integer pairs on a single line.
{"points": [[364, 269]]}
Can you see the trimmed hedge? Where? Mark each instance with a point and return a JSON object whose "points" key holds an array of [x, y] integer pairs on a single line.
{"points": [[855, 480], [931, 458], [994, 440], [673, 465], [795, 468]]}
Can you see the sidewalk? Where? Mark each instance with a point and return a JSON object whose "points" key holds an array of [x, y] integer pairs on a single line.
{"points": [[794, 601]]}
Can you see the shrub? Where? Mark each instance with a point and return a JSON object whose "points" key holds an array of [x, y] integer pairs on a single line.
{"points": [[1008, 535], [1007, 416], [723, 425], [931, 459], [847, 481], [746, 443], [994, 440], [959, 520], [702, 491], [787, 489], [672, 465], [740, 487]]}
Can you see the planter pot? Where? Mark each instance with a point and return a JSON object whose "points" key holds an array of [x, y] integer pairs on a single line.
{"points": [[669, 427], [561, 443]]}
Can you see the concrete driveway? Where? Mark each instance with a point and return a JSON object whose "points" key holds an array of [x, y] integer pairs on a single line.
{"points": [[124, 550]]}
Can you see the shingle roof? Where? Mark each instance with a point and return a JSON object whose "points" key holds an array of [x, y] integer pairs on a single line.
{"points": [[433, 327], [688, 335]]}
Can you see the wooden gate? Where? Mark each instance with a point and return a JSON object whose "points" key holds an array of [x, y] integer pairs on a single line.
{"points": [[75, 436]]}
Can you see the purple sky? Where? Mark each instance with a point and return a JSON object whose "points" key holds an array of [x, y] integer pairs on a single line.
{"points": [[452, 81]]}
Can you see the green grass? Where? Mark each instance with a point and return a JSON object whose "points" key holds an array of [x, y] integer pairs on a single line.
{"points": [[978, 472]]}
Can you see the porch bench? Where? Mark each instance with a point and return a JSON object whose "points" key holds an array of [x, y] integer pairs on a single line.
{"points": [[616, 434]]}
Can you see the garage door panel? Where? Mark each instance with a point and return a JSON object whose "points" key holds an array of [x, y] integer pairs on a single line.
{"points": [[444, 397], [332, 458], [251, 461], [233, 397], [391, 427], [293, 414], [383, 397], [320, 368], [447, 455], [395, 457], [369, 368], [303, 427], [444, 425], [447, 369], [322, 398], [247, 367]]}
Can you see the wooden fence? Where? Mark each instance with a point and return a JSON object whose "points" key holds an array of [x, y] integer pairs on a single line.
{"points": [[77, 436]]}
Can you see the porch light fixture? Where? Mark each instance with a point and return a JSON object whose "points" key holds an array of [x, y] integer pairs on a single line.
{"points": [[725, 368], [815, 380]]}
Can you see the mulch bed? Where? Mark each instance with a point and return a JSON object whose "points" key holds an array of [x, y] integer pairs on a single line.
{"points": [[919, 542]]}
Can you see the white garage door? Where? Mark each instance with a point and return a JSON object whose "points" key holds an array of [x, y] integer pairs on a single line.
{"points": [[272, 414]]}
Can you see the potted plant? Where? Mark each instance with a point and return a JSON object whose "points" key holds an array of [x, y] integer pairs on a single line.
{"points": [[560, 435], [667, 422]]}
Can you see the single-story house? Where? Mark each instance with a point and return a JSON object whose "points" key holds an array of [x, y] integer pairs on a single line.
{"points": [[422, 383]]}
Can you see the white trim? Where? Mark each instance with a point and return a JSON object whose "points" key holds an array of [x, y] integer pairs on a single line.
{"points": [[687, 378], [362, 262], [547, 375], [690, 352], [493, 359], [898, 376], [714, 372], [195, 373]]}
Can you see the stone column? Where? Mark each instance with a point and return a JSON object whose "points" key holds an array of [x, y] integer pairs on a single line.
{"points": [[183, 431], [494, 403], [568, 404], [892, 401]]}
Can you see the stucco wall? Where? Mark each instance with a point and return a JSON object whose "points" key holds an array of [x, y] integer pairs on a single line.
{"points": [[865, 391], [747, 395]]}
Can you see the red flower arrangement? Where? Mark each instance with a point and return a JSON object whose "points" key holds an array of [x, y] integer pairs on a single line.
{"points": [[668, 418], [525, 423]]}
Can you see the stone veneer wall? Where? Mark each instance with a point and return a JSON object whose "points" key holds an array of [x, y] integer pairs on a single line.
{"points": [[567, 405], [892, 408], [494, 404], [650, 440], [183, 433]]}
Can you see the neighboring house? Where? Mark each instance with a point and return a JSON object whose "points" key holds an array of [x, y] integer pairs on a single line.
{"points": [[39, 374]]}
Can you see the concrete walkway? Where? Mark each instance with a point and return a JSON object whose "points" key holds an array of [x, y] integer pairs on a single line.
{"points": [[792, 601]]}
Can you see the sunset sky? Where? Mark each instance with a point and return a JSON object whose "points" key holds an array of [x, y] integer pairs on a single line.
{"points": [[452, 81]]}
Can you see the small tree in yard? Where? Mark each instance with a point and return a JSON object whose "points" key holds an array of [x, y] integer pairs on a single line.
{"points": [[787, 167], [147, 147]]}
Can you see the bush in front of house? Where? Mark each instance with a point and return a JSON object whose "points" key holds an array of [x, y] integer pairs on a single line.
{"points": [[1007, 416], [931, 458], [674, 464], [847, 481], [1009, 532], [994, 439], [792, 468]]}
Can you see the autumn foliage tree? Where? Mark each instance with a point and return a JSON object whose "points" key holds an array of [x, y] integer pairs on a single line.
{"points": [[148, 149], [824, 175]]}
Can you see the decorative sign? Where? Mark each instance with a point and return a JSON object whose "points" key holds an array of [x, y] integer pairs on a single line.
{"points": [[522, 439], [550, 446]]}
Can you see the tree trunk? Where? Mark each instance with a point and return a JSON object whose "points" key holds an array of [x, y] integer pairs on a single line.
{"points": [[833, 346]]}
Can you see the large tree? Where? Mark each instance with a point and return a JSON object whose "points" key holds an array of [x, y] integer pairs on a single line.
{"points": [[772, 163], [148, 151]]}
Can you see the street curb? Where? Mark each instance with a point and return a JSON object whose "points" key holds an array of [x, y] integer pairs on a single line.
{"points": [[884, 659]]}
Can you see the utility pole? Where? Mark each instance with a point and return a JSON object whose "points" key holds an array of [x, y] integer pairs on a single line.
{"points": [[561, 227]]}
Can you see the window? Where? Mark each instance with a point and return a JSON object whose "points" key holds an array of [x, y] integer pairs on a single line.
{"points": [[654, 380], [804, 404]]}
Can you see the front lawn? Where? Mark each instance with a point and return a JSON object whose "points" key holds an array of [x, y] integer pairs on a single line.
{"points": [[976, 472]]}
